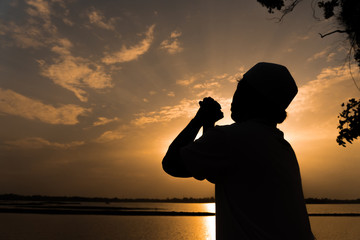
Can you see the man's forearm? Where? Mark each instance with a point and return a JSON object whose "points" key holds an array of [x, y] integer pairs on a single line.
{"points": [[187, 135], [206, 116], [172, 162]]}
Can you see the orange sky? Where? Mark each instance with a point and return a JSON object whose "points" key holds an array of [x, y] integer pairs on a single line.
{"points": [[93, 92]]}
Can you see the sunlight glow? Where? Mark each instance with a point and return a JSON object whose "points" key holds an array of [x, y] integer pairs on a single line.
{"points": [[210, 222], [210, 227]]}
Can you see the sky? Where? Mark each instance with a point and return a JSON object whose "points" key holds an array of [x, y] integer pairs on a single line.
{"points": [[93, 92]]}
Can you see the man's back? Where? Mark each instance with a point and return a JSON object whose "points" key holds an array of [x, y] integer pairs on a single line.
{"points": [[257, 181]]}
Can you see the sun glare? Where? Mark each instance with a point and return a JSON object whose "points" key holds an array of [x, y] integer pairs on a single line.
{"points": [[210, 222]]}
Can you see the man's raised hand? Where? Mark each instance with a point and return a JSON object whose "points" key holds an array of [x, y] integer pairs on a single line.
{"points": [[209, 112]]}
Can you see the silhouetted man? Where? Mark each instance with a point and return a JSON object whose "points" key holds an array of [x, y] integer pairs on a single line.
{"points": [[257, 180]]}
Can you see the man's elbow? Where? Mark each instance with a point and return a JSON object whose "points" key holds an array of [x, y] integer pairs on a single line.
{"points": [[175, 170]]}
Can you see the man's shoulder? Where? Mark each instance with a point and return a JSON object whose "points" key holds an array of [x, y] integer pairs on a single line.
{"points": [[229, 133], [248, 129], [225, 129], [237, 127]]}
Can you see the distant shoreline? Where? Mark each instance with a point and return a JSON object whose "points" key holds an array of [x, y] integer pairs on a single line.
{"points": [[65, 199], [103, 212], [18, 204], [139, 213], [41, 198]]}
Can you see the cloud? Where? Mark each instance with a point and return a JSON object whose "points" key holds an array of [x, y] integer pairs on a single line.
{"points": [[317, 55], [313, 113], [41, 9], [67, 21], [305, 37], [186, 107], [13, 103], [171, 94], [127, 54], [37, 143], [104, 120], [222, 76], [26, 36], [330, 57], [307, 98], [172, 45], [238, 75], [38, 8], [207, 85], [210, 80], [175, 34], [97, 18], [186, 81], [322, 54], [68, 71], [109, 136], [37, 31], [75, 73]]}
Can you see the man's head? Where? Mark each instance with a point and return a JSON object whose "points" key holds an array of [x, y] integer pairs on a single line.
{"points": [[265, 91]]}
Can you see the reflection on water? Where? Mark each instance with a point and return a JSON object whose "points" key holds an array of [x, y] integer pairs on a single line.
{"points": [[336, 228], [333, 208], [209, 207], [209, 222], [94, 227]]}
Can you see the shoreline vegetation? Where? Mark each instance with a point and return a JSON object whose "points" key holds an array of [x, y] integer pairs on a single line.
{"points": [[52, 199], [74, 205], [16, 197]]}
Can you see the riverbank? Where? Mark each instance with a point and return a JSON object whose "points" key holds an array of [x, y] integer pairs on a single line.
{"points": [[65, 209]]}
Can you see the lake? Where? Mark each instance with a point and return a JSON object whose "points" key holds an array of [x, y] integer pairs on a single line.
{"points": [[98, 227]]}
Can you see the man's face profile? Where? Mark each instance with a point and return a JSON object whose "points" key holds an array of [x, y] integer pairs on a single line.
{"points": [[243, 102], [237, 105]]}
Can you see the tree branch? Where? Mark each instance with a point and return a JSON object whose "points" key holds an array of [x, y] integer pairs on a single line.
{"points": [[289, 9], [336, 31]]}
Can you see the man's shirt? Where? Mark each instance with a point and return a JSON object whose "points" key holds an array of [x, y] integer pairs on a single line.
{"points": [[257, 180]]}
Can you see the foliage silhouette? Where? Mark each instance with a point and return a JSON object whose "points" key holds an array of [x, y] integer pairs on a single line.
{"points": [[349, 122], [347, 14]]}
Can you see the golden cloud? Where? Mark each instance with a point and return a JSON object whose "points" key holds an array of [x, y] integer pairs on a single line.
{"points": [[171, 94], [97, 18], [13, 103], [127, 54], [37, 31], [109, 136], [104, 120], [187, 81], [186, 107], [41, 9], [322, 54], [75, 73], [172, 45], [308, 97], [24, 36], [37, 143]]}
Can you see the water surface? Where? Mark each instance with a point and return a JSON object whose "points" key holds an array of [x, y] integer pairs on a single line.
{"points": [[97, 227]]}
